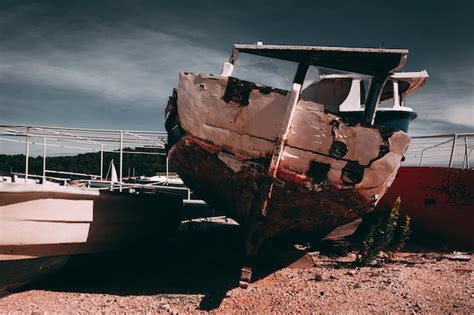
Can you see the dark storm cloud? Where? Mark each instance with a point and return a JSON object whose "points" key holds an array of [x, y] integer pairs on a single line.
{"points": [[113, 63]]}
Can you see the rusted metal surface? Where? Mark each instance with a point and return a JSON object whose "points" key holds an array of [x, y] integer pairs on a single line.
{"points": [[275, 163], [298, 207], [238, 91]]}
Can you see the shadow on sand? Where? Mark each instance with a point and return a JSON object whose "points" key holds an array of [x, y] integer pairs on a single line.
{"points": [[195, 261], [205, 262]]}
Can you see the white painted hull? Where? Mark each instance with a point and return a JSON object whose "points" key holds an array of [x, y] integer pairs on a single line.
{"points": [[45, 220], [328, 171]]}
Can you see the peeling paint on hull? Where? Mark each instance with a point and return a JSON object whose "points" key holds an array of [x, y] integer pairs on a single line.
{"points": [[329, 172], [297, 207]]}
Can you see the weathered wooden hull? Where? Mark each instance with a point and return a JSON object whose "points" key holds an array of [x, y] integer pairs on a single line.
{"points": [[223, 136], [439, 200], [41, 221]]}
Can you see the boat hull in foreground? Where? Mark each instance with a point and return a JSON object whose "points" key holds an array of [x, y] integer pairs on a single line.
{"points": [[41, 221]]}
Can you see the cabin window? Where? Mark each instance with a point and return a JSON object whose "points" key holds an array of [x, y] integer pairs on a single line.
{"points": [[336, 90], [332, 92], [265, 71], [312, 76]]}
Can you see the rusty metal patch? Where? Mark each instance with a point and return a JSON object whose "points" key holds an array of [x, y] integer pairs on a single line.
{"points": [[334, 123], [384, 148], [338, 149], [318, 171], [385, 132], [352, 173], [238, 91], [265, 89], [269, 89]]}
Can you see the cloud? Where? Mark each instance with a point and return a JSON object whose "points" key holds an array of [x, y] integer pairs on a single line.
{"points": [[113, 63], [132, 69], [446, 103], [114, 80]]}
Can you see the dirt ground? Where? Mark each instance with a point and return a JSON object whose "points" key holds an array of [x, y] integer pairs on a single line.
{"points": [[198, 271]]}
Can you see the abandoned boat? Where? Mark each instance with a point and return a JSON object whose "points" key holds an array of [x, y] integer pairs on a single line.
{"points": [[280, 161]]}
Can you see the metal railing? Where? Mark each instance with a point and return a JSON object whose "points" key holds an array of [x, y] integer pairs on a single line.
{"points": [[92, 140], [451, 150]]}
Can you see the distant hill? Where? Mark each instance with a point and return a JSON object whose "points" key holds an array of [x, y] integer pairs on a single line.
{"points": [[88, 163]]}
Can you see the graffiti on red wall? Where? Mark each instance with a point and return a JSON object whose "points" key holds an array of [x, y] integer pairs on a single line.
{"points": [[457, 191]]}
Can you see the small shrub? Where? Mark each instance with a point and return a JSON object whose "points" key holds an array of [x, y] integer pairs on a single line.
{"points": [[386, 235], [403, 234]]}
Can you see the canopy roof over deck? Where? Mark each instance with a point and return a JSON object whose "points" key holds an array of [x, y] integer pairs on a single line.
{"points": [[408, 82], [370, 61]]}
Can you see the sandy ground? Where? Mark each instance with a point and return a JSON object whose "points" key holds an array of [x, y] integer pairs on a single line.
{"points": [[198, 271]]}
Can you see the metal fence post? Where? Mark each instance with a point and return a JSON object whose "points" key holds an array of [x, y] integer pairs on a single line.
{"points": [[27, 153], [101, 162], [44, 160], [452, 151], [121, 159], [465, 163]]}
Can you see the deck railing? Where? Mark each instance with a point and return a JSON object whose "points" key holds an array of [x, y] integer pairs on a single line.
{"points": [[91, 140], [452, 150]]}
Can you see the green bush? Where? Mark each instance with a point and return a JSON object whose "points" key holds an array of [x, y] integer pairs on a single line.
{"points": [[386, 235]]}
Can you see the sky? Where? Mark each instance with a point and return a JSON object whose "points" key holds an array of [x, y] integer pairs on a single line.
{"points": [[113, 64]]}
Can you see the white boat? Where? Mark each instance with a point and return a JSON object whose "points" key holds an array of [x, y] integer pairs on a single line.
{"points": [[52, 220], [42, 223], [167, 180]]}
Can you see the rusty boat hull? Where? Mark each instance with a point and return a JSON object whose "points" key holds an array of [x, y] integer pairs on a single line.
{"points": [[225, 135]]}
